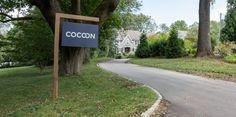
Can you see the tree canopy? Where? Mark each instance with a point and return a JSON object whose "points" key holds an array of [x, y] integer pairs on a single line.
{"points": [[229, 30]]}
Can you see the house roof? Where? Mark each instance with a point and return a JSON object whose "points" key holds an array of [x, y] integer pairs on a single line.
{"points": [[134, 35]]}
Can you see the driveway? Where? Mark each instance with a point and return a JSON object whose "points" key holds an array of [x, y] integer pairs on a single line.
{"points": [[190, 96]]}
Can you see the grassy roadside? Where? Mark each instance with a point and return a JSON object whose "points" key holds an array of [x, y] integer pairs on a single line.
{"points": [[211, 68], [27, 93]]}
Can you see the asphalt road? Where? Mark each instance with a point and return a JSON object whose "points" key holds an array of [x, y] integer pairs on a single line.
{"points": [[190, 96]]}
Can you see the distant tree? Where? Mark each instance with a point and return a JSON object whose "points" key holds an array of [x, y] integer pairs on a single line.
{"points": [[175, 47], [32, 42], [193, 32], [143, 49], [229, 31], [204, 43], [131, 19], [180, 25], [164, 28]]}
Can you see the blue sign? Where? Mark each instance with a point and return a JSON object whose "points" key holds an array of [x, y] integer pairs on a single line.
{"points": [[79, 35]]}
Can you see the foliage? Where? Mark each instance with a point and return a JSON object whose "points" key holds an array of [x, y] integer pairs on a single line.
{"points": [[224, 49], [192, 33], [230, 58], [118, 56], [143, 50], [158, 44], [140, 22], [179, 25], [229, 31], [164, 28], [27, 93], [32, 42], [190, 47], [131, 20], [175, 47]]}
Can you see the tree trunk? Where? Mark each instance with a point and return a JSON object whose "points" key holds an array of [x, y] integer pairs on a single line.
{"points": [[73, 58], [48, 8], [204, 41]]}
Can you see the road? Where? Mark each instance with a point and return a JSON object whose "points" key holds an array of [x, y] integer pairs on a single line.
{"points": [[190, 96]]}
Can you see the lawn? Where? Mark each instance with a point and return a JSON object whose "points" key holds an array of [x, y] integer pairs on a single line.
{"points": [[212, 68], [25, 92]]}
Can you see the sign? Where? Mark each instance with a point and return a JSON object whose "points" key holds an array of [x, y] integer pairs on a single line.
{"points": [[79, 35], [73, 35]]}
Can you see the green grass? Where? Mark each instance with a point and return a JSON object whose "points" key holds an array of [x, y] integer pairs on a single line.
{"points": [[231, 58], [27, 93], [212, 68]]}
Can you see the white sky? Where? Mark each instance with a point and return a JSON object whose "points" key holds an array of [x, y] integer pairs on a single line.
{"points": [[168, 11]]}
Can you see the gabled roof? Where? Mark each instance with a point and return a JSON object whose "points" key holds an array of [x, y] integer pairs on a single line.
{"points": [[133, 35]]}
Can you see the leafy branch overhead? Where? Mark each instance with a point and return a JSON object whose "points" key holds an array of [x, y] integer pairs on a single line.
{"points": [[9, 18]]}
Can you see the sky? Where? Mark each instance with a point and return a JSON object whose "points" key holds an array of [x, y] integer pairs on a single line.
{"points": [[169, 11]]}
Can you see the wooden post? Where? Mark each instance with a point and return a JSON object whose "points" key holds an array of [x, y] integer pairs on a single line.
{"points": [[56, 43], [56, 55]]}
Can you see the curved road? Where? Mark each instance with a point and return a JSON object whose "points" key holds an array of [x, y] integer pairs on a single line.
{"points": [[190, 96]]}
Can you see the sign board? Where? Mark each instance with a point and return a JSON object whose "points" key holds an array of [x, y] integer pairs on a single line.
{"points": [[73, 35], [79, 35]]}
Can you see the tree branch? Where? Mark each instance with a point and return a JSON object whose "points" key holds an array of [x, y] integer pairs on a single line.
{"points": [[10, 18], [16, 19], [105, 9]]}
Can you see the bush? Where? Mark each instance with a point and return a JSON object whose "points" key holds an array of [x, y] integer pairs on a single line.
{"points": [[158, 45], [224, 49], [231, 58], [119, 56], [175, 47], [158, 48], [190, 47], [131, 55], [143, 50]]}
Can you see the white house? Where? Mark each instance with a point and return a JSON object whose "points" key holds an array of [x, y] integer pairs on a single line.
{"points": [[182, 34], [127, 41]]}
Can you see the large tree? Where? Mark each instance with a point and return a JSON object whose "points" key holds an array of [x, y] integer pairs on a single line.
{"points": [[204, 42], [180, 25], [229, 31], [71, 58]]}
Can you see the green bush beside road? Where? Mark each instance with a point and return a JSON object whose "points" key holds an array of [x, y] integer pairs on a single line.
{"points": [[25, 92], [230, 58]]}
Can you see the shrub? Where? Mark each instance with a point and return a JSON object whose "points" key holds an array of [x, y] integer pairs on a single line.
{"points": [[118, 56], [143, 50], [230, 58], [158, 46], [175, 47], [131, 55], [224, 49], [190, 48]]}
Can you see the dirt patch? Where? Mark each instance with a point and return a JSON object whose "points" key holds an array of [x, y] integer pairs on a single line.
{"points": [[162, 110]]}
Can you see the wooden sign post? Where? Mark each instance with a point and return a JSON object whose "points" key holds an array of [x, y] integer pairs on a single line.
{"points": [[56, 43]]}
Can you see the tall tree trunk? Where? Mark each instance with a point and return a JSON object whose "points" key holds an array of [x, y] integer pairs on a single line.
{"points": [[204, 41], [72, 58]]}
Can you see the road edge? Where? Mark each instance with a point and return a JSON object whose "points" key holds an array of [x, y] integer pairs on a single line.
{"points": [[154, 107]]}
